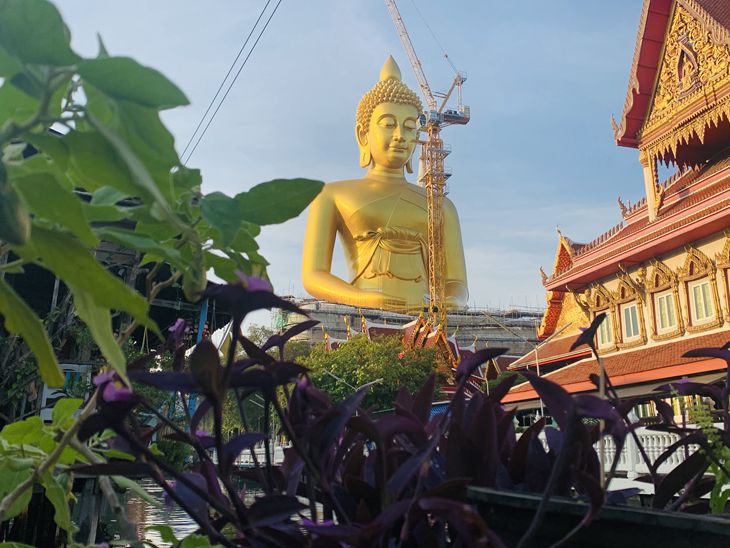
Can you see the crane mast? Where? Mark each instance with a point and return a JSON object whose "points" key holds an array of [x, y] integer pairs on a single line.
{"points": [[434, 175]]}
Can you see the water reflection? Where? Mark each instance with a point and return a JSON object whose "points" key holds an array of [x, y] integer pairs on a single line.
{"points": [[142, 515]]}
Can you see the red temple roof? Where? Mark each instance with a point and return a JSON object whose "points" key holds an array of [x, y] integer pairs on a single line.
{"points": [[696, 204], [647, 364], [714, 14], [556, 350]]}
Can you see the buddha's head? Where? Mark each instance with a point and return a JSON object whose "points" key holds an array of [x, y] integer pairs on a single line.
{"points": [[387, 121]]}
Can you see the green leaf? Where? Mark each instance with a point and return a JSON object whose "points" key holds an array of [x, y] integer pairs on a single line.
{"points": [[99, 321], [58, 495], [21, 320], [33, 31], [64, 409], [125, 78], [9, 480], [9, 65], [222, 213], [140, 242], [68, 259], [140, 176], [107, 195], [223, 267], [165, 532], [49, 201], [278, 200], [16, 105], [142, 129], [15, 545], [196, 541], [52, 145], [93, 163], [106, 213], [28, 431], [137, 489]]}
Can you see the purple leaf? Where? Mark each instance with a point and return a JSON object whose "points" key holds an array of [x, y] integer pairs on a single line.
{"points": [[166, 380], [233, 448], [518, 460], [203, 407], [698, 437], [206, 367], [92, 425], [695, 465], [197, 504], [423, 400], [468, 365], [281, 340], [589, 334], [557, 400], [208, 471], [272, 509], [334, 421], [723, 353], [253, 351], [690, 388], [500, 391], [239, 301]]}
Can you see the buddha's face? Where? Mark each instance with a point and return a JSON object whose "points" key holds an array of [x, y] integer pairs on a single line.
{"points": [[392, 134]]}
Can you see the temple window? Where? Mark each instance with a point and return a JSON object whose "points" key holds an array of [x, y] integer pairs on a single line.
{"points": [[605, 332], [699, 275], [629, 322], [701, 305], [666, 320]]}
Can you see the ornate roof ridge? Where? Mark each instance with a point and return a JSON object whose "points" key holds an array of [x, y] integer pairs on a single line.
{"points": [[620, 129]]}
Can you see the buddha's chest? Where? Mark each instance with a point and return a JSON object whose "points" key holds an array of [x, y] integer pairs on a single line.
{"points": [[405, 209]]}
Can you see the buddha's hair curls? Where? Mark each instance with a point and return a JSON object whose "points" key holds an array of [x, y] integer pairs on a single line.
{"points": [[385, 91]]}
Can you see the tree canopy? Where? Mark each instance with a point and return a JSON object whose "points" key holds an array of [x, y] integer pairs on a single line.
{"points": [[360, 361]]}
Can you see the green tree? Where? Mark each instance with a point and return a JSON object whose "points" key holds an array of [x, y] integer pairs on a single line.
{"points": [[360, 361]]}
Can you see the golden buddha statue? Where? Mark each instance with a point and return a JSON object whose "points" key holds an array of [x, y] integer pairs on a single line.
{"points": [[382, 218]]}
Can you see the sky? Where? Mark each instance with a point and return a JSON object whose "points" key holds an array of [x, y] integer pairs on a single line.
{"points": [[544, 79]]}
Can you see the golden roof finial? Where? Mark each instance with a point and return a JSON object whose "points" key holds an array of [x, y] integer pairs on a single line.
{"points": [[390, 70]]}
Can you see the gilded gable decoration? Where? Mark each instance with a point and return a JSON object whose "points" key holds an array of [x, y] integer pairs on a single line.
{"points": [[723, 258], [660, 277], [696, 265], [695, 64], [600, 298]]}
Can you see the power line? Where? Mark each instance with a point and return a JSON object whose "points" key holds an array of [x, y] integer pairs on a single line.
{"points": [[230, 69], [253, 47]]}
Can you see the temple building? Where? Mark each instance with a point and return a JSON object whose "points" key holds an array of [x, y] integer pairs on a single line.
{"points": [[662, 275]]}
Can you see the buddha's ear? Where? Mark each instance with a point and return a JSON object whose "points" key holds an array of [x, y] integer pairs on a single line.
{"points": [[362, 141], [409, 163]]}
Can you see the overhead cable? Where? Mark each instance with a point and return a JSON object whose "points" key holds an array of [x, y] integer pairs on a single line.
{"points": [[230, 86]]}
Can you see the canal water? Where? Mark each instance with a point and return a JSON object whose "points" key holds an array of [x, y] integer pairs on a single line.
{"points": [[144, 515]]}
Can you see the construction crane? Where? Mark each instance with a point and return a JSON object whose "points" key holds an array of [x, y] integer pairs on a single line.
{"points": [[433, 175]]}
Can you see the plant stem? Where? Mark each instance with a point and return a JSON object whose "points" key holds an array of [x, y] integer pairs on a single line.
{"points": [[108, 489], [48, 463]]}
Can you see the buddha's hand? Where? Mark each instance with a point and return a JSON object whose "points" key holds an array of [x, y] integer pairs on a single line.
{"points": [[371, 299]]}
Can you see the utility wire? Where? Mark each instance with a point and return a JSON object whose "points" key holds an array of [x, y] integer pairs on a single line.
{"points": [[230, 86], [230, 69]]}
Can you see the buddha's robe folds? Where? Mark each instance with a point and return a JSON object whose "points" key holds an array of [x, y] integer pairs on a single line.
{"points": [[390, 258]]}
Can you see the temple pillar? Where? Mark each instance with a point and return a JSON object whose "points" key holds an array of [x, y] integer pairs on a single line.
{"points": [[653, 197]]}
